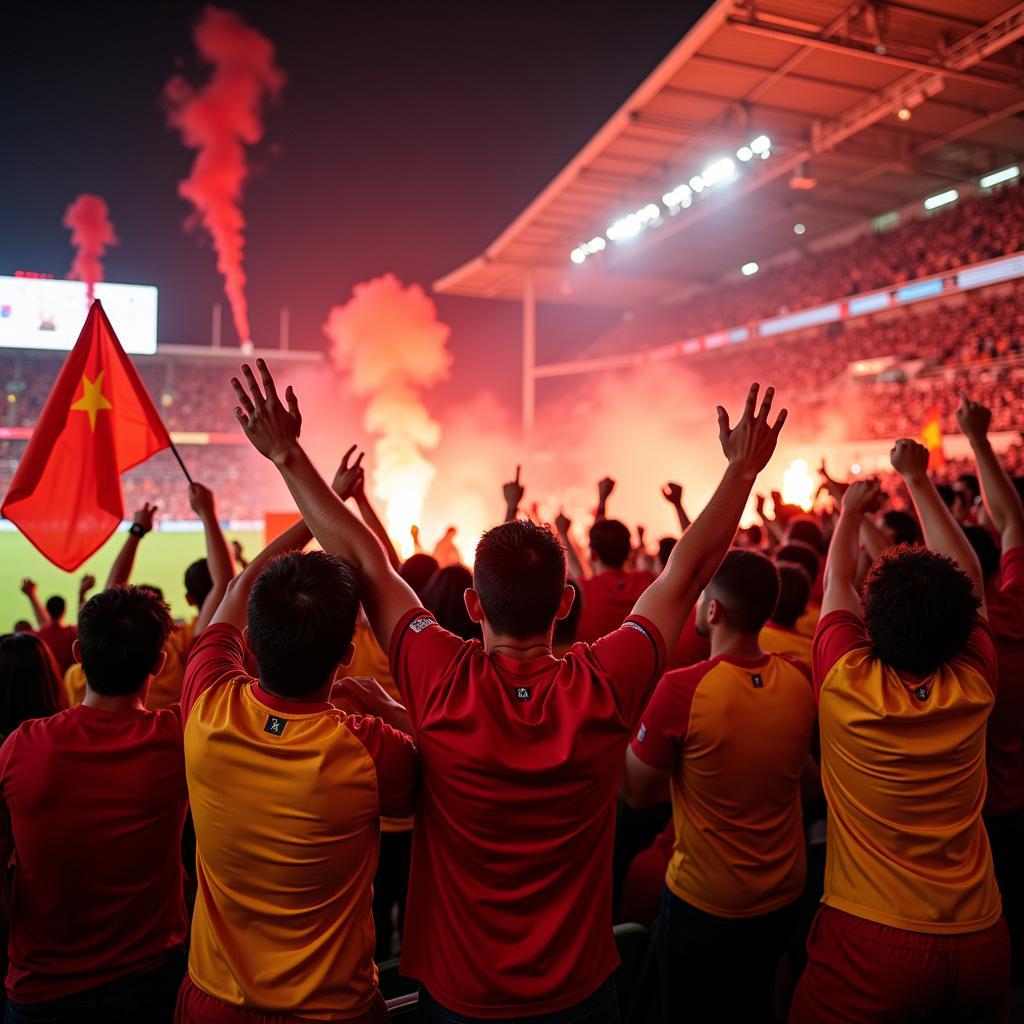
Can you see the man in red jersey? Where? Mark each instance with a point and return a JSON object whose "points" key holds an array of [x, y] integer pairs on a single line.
{"points": [[509, 909], [93, 805], [911, 928], [1004, 595], [732, 735], [59, 637]]}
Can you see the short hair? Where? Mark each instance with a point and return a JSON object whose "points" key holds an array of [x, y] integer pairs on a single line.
{"points": [[903, 526], [970, 480], [610, 541], [29, 681], [56, 606], [444, 598], [121, 632], [665, 546], [805, 528], [919, 609], [986, 548], [519, 575], [800, 554], [418, 570], [198, 581], [301, 615], [23, 626], [747, 584], [794, 593], [947, 494]]}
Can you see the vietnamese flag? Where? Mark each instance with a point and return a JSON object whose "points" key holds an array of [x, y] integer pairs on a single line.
{"points": [[98, 422], [931, 438]]}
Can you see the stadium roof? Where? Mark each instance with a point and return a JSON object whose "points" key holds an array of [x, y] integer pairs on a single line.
{"points": [[826, 81]]}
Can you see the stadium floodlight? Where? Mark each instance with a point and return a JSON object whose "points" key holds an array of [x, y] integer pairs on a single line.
{"points": [[632, 224], [581, 252], [749, 268], [760, 145], [578, 255], [942, 199], [744, 153], [697, 183], [719, 171], [799, 229], [997, 177], [678, 199]]}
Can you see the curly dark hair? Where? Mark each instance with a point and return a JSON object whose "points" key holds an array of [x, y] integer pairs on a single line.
{"points": [[919, 609]]}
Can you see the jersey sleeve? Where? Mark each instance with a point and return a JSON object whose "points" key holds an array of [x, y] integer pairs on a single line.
{"points": [[980, 652], [633, 660], [395, 760], [421, 654], [666, 719], [837, 634], [1011, 583], [6, 833], [217, 655]]}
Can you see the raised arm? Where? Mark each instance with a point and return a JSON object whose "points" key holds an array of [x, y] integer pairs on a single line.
{"points": [[218, 554], [513, 493], [673, 494], [31, 591], [578, 567], [121, 570], [273, 430], [86, 584], [1000, 496], [350, 482], [772, 527], [872, 538], [695, 559], [844, 552], [604, 490], [941, 531]]}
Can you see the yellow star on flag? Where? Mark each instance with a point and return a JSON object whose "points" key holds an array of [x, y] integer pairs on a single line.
{"points": [[93, 399]]}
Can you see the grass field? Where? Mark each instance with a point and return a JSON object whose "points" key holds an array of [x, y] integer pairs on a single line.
{"points": [[162, 560]]}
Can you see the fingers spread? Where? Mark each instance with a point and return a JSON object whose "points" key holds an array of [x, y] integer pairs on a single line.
{"points": [[748, 406], [242, 395], [268, 380], [254, 388]]}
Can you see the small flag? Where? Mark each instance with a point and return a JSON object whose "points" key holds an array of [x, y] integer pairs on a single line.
{"points": [[98, 422], [931, 438]]}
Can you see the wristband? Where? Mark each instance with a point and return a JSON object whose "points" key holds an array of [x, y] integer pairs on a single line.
{"points": [[137, 530]]}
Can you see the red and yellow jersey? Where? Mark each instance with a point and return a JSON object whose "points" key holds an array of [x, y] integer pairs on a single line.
{"points": [[780, 640], [74, 685], [735, 734], [1005, 743], [808, 622], [903, 769], [286, 798], [607, 600]]}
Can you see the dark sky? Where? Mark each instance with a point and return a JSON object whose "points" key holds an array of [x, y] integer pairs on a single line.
{"points": [[406, 138]]}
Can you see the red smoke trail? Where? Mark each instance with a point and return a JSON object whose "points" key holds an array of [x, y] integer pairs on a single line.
{"points": [[219, 120], [88, 219]]}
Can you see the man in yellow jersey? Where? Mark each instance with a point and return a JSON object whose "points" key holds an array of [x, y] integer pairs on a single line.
{"points": [[912, 926], [780, 634]]}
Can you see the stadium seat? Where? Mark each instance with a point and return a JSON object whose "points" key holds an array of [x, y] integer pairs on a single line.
{"points": [[635, 945], [404, 1007], [392, 984]]}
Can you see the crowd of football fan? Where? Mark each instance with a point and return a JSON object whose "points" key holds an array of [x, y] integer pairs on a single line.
{"points": [[795, 751]]}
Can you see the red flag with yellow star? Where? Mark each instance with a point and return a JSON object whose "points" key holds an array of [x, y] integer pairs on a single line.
{"points": [[98, 422]]}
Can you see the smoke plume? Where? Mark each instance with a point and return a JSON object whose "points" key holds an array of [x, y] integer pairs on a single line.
{"points": [[389, 342], [88, 220], [219, 119]]}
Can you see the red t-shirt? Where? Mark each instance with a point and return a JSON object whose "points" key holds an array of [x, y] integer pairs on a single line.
{"points": [[608, 598], [1005, 740], [91, 807], [60, 640], [510, 899]]}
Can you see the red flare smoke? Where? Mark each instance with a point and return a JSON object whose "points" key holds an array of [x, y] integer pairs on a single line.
{"points": [[219, 120], [88, 220]]}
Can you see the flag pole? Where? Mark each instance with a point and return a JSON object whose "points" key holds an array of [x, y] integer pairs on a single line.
{"points": [[177, 455]]}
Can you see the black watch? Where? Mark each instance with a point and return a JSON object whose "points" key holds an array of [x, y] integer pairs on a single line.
{"points": [[137, 530]]}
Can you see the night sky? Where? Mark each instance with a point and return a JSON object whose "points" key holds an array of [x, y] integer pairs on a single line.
{"points": [[406, 138]]}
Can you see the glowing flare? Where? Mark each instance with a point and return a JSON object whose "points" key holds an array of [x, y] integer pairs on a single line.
{"points": [[798, 485]]}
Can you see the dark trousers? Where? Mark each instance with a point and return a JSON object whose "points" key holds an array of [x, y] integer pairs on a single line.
{"points": [[390, 886], [1006, 837], [601, 1007], [132, 999], [719, 968]]}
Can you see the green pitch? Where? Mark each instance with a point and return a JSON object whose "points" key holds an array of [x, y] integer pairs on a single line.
{"points": [[161, 561]]}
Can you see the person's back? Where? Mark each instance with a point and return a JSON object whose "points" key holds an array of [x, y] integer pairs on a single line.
{"points": [[780, 634], [95, 800], [59, 637]]}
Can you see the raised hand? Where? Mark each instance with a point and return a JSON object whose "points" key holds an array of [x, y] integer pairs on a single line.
{"points": [[673, 494], [909, 459], [85, 585], [144, 516], [28, 587], [348, 479], [201, 500], [562, 523], [605, 488], [513, 492], [751, 443], [272, 429], [861, 495], [974, 418]]}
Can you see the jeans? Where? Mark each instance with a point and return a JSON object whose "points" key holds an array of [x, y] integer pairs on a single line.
{"points": [[131, 999], [601, 1007], [719, 968]]}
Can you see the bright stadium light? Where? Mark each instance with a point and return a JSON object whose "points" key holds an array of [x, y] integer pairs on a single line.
{"points": [[997, 177], [942, 199], [799, 229], [719, 171], [697, 183], [760, 145], [744, 153], [633, 223], [577, 255], [678, 199], [749, 268]]}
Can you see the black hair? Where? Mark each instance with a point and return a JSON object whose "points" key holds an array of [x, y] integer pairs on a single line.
{"points": [[444, 597], [610, 541], [971, 481], [198, 582], [121, 632], [29, 681], [747, 584], [919, 609], [55, 607], [23, 626], [665, 546], [418, 570], [947, 494], [986, 548], [301, 615], [800, 554], [805, 528], [794, 593], [519, 575], [903, 526]]}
